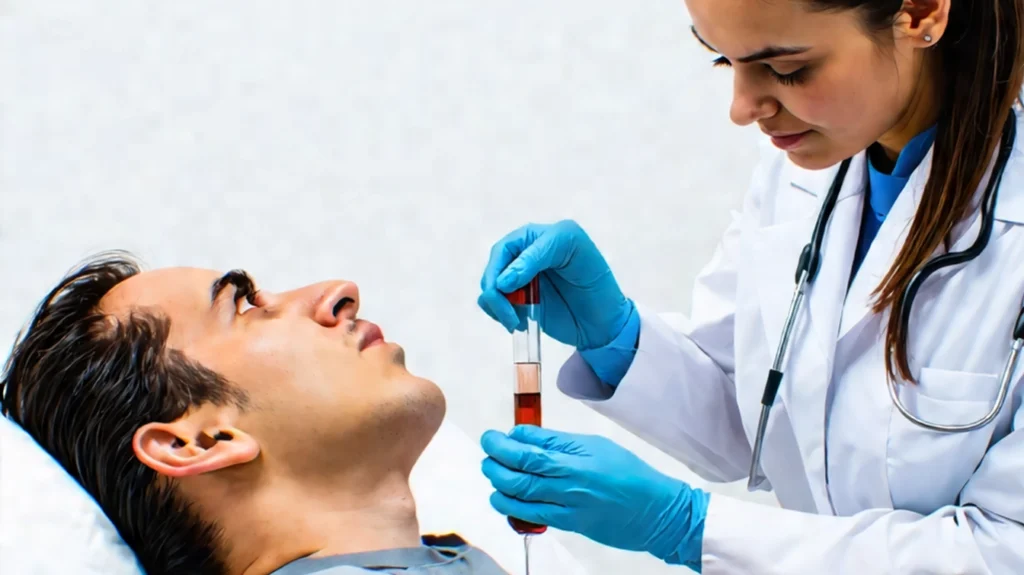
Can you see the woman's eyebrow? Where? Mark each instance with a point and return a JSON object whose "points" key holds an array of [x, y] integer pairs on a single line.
{"points": [[763, 54]]}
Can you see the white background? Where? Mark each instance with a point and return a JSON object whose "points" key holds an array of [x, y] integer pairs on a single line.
{"points": [[387, 142]]}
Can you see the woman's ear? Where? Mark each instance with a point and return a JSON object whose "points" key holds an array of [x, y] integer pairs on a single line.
{"points": [[923, 21], [183, 448]]}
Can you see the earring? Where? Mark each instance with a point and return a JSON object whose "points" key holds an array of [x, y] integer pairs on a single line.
{"points": [[928, 38]]}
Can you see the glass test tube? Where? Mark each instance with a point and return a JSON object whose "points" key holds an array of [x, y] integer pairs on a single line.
{"points": [[526, 360]]}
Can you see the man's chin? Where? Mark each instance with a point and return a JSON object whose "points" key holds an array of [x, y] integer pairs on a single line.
{"points": [[397, 354], [418, 393], [434, 401], [421, 412]]}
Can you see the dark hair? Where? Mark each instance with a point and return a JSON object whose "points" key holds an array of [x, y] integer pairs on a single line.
{"points": [[81, 383], [982, 57]]}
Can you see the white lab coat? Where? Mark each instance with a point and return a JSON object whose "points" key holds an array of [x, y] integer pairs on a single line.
{"points": [[862, 490]]}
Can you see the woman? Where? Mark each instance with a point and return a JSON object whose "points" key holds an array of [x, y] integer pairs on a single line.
{"points": [[919, 98]]}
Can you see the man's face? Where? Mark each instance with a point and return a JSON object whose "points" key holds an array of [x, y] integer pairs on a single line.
{"points": [[326, 389]]}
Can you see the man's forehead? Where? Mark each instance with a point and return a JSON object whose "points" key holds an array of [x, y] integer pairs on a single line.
{"points": [[173, 290]]}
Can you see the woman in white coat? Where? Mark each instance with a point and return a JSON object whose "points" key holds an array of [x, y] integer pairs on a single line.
{"points": [[899, 117]]}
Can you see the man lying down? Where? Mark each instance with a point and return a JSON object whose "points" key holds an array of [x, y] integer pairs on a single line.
{"points": [[228, 430]]}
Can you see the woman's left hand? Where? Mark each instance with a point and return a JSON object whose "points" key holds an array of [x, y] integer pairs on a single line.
{"points": [[590, 485]]}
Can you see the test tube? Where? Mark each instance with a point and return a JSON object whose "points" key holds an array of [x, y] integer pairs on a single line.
{"points": [[526, 361]]}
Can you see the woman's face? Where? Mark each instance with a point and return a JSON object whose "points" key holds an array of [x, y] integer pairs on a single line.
{"points": [[820, 83]]}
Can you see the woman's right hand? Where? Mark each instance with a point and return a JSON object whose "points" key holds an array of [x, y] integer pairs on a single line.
{"points": [[581, 303]]}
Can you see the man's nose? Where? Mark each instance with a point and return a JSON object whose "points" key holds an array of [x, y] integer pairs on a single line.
{"points": [[339, 301], [328, 303]]}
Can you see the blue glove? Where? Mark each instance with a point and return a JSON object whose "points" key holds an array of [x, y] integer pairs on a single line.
{"points": [[592, 486], [581, 303]]}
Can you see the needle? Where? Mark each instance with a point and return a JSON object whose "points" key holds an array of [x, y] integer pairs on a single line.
{"points": [[526, 552]]}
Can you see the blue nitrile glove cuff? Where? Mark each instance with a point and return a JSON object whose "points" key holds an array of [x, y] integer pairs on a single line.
{"points": [[590, 485], [680, 541], [611, 362]]}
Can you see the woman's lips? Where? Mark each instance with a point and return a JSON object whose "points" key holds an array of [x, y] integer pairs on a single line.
{"points": [[788, 141]]}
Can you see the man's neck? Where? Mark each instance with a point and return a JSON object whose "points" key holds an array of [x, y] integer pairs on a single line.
{"points": [[286, 522]]}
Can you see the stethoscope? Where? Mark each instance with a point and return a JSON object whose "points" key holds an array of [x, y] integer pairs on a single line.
{"points": [[810, 263]]}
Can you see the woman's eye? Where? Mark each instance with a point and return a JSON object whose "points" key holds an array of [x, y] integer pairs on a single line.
{"points": [[791, 79]]}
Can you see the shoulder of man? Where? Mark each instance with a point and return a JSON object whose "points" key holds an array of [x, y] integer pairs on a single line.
{"points": [[474, 561], [452, 556]]}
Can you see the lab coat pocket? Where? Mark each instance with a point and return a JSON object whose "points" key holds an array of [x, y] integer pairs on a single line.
{"points": [[927, 469]]}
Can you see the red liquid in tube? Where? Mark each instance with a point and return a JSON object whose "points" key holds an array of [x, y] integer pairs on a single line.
{"points": [[526, 358], [527, 413], [528, 409], [529, 294]]}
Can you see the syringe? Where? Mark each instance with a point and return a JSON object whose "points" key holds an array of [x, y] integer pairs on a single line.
{"points": [[526, 359]]}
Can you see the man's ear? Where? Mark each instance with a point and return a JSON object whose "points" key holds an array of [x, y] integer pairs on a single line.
{"points": [[187, 447], [924, 21]]}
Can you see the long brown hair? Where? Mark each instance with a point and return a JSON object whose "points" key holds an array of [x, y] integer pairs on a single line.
{"points": [[981, 55]]}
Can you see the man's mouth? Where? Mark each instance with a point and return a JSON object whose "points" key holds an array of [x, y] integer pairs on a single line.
{"points": [[370, 334]]}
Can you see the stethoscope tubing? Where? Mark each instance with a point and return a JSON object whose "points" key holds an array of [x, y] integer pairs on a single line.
{"points": [[807, 268]]}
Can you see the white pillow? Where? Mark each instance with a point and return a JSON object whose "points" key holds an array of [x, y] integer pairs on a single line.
{"points": [[48, 523]]}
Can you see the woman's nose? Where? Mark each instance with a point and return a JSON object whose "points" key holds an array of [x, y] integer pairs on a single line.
{"points": [[750, 103]]}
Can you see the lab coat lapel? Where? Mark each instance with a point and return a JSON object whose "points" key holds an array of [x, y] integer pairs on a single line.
{"points": [[777, 249], [892, 234], [1009, 199], [883, 251], [826, 295]]}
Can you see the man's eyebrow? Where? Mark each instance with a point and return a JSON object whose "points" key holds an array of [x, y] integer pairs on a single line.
{"points": [[244, 286], [766, 53]]}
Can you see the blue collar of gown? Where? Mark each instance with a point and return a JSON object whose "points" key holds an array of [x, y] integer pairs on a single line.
{"points": [[885, 188]]}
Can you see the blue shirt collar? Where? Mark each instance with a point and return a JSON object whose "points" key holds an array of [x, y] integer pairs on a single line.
{"points": [[885, 188]]}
